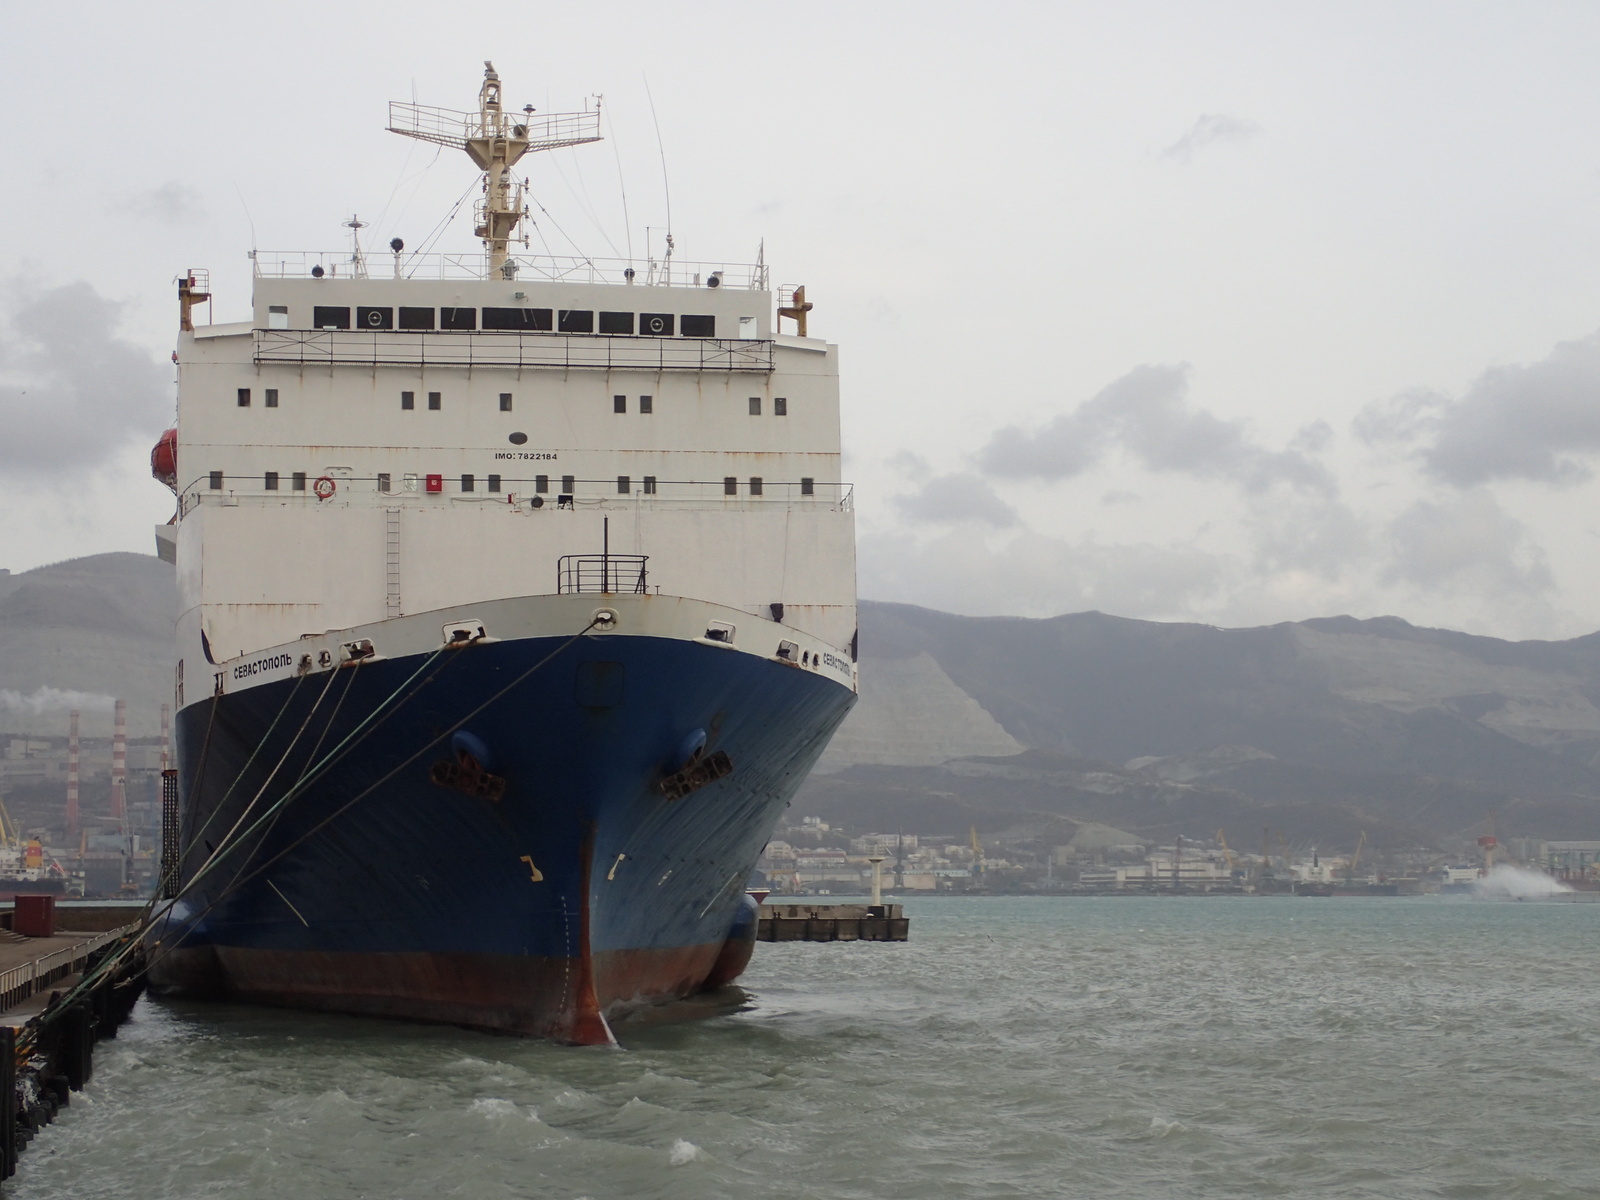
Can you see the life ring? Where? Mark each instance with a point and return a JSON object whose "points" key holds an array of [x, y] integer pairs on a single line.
{"points": [[324, 487]]}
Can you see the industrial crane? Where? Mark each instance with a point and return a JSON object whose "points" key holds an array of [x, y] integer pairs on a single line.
{"points": [[1350, 871]]}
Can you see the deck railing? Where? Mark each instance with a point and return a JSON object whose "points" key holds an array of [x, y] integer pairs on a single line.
{"points": [[20, 983], [554, 268], [604, 573]]}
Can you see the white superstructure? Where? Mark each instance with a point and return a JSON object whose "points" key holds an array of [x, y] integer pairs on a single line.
{"points": [[394, 436]]}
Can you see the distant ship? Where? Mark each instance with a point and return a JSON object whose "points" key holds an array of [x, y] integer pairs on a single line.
{"points": [[517, 599]]}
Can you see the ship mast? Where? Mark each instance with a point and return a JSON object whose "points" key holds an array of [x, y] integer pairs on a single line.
{"points": [[495, 141]]}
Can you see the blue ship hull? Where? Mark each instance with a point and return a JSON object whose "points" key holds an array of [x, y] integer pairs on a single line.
{"points": [[582, 890]]}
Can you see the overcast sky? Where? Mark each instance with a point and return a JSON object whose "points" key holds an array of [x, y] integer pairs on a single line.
{"points": [[1224, 312]]}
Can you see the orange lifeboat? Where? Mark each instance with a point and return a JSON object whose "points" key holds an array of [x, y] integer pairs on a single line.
{"points": [[164, 459]]}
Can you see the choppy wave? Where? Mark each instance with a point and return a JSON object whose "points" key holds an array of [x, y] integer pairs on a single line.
{"points": [[1212, 1048]]}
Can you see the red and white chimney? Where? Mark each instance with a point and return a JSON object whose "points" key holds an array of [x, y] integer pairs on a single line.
{"points": [[119, 762], [72, 775]]}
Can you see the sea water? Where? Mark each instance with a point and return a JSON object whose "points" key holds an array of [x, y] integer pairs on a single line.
{"points": [[1059, 1047]]}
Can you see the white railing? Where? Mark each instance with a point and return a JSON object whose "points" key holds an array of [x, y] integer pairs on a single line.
{"points": [[380, 264], [20, 983], [565, 351]]}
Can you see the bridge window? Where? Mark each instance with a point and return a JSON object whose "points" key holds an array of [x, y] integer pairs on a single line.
{"points": [[272, 397], [780, 406], [270, 481], [368, 317], [215, 481], [517, 320], [656, 324], [624, 485], [468, 483], [408, 400], [244, 397], [619, 404], [298, 481], [494, 483], [325, 316], [613, 322], [692, 326], [755, 406], [576, 320], [730, 485], [541, 483], [567, 484], [808, 487], [755, 485], [435, 401], [458, 318], [647, 404], [416, 318]]}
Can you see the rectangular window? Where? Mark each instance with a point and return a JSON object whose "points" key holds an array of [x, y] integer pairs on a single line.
{"points": [[575, 320], [505, 401], [298, 481], [691, 326], [619, 404], [244, 397], [325, 316], [624, 485], [647, 404], [416, 318], [656, 324], [277, 316], [517, 320], [215, 480], [494, 483], [408, 400], [780, 406], [541, 483], [755, 485], [649, 485], [383, 482], [435, 401], [368, 317], [616, 322], [272, 397], [468, 483], [458, 318], [270, 481], [755, 406], [568, 484], [808, 487], [730, 485]]}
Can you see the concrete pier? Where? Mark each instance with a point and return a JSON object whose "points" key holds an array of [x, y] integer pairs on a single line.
{"points": [[833, 923]]}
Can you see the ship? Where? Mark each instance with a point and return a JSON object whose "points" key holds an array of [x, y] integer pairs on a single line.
{"points": [[517, 599]]}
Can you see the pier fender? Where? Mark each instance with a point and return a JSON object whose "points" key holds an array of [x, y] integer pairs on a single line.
{"points": [[739, 946], [463, 741]]}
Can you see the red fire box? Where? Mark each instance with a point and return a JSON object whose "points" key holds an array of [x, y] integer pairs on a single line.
{"points": [[435, 483]]}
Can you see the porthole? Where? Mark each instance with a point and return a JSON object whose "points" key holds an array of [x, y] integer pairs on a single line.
{"points": [[518, 439]]}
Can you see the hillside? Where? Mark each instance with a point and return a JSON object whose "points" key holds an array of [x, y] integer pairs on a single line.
{"points": [[1320, 727]]}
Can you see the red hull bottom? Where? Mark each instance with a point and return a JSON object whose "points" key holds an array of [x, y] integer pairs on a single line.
{"points": [[564, 999]]}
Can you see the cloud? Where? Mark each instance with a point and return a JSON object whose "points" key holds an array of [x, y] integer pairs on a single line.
{"points": [[1147, 414], [172, 203], [50, 700], [1031, 574], [1208, 130], [71, 392], [1539, 421], [1466, 543], [955, 498]]}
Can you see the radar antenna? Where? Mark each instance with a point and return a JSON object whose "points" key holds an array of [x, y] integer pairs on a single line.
{"points": [[495, 141]]}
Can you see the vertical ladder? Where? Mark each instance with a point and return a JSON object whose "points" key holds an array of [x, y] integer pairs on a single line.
{"points": [[391, 559]]}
